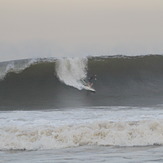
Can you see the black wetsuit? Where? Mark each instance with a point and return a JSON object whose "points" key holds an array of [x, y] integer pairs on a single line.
{"points": [[90, 79]]}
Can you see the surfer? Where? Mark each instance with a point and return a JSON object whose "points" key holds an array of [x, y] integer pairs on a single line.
{"points": [[90, 80]]}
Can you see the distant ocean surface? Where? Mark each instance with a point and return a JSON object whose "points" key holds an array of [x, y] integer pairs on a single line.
{"points": [[47, 115]]}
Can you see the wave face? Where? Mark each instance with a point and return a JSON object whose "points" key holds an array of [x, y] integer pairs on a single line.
{"points": [[54, 83]]}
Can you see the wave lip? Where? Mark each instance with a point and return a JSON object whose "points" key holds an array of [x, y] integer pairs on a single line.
{"points": [[104, 133], [15, 66]]}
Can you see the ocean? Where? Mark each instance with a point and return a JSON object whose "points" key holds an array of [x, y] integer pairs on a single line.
{"points": [[47, 115]]}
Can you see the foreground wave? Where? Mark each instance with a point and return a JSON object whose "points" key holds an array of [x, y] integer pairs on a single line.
{"points": [[53, 83], [141, 133]]}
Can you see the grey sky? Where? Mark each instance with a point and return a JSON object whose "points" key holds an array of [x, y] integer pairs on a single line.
{"points": [[42, 28]]}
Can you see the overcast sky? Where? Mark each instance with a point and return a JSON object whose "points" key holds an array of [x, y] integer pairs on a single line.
{"points": [[49, 28]]}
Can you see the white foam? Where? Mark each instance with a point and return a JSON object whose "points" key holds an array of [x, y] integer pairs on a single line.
{"points": [[124, 126], [71, 71], [140, 133], [15, 66]]}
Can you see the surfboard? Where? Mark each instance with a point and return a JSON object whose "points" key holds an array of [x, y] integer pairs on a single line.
{"points": [[89, 89]]}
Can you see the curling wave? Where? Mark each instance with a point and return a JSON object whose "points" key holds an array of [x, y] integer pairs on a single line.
{"points": [[52, 83]]}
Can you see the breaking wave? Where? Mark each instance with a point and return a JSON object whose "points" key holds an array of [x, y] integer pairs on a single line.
{"points": [[72, 71], [54, 83], [98, 133]]}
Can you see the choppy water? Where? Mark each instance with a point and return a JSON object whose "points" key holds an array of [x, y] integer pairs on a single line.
{"points": [[95, 134], [115, 126]]}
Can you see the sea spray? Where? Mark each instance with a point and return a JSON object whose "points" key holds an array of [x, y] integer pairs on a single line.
{"points": [[72, 71], [15, 66]]}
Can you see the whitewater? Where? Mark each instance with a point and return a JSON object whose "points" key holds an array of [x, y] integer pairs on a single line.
{"points": [[47, 115], [107, 126]]}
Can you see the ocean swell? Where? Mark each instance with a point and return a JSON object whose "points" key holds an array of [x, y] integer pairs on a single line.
{"points": [[54, 83]]}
